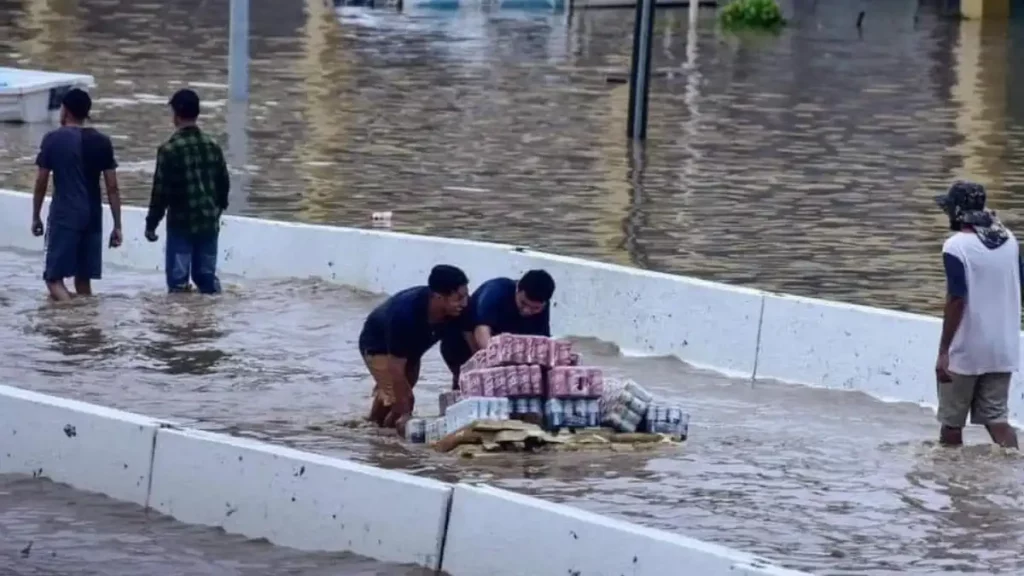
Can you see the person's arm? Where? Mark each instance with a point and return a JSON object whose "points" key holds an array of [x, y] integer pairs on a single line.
{"points": [[956, 294], [487, 316], [42, 179], [223, 182], [159, 195], [1020, 262], [481, 336], [39, 193], [109, 168]]}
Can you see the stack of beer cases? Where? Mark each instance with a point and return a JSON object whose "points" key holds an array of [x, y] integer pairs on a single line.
{"points": [[540, 376]]}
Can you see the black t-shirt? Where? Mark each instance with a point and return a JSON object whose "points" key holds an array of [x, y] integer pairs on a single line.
{"points": [[493, 304], [97, 157], [400, 327]]}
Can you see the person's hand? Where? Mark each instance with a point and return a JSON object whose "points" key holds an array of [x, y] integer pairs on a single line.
{"points": [[115, 238], [942, 367], [401, 408], [151, 235], [37, 227]]}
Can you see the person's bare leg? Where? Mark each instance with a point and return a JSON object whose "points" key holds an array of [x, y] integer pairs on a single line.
{"points": [[83, 287], [58, 291], [1003, 434], [951, 437], [378, 411]]}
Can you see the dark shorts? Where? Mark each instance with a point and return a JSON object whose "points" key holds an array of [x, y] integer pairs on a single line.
{"points": [[73, 254]]}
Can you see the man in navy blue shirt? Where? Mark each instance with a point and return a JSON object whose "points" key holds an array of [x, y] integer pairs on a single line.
{"points": [[500, 306], [399, 331], [76, 157]]}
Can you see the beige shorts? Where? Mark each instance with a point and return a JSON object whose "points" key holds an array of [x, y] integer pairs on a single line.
{"points": [[984, 396], [383, 386]]}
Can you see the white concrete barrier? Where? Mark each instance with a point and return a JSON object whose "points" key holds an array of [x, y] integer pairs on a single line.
{"points": [[316, 503], [887, 354], [297, 499], [499, 533], [710, 325], [88, 447]]}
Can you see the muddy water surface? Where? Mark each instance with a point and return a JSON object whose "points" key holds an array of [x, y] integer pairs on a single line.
{"points": [[801, 163], [828, 481]]}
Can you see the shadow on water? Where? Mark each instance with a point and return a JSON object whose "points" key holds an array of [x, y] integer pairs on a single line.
{"points": [[763, 154]]}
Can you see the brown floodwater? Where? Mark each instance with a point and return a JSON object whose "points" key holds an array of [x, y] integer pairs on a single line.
{"points": [[829, 481], [803, 162]]}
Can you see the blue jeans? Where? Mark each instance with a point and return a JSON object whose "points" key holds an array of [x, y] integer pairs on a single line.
{"points": [[194, 256]]}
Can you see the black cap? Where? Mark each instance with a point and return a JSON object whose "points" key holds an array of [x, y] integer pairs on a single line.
{"points": [[78, 103], [185, 104], [963, 196]]}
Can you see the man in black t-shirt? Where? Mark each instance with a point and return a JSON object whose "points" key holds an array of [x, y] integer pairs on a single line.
{"points": [[500, 306], [76, 156], [397, 334]]}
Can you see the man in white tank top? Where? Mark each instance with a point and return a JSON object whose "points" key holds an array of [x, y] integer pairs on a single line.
{"points": [[980, 346]]}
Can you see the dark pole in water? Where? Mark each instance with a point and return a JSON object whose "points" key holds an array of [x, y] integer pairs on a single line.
{"points": [[640, 72], [238, 51]]}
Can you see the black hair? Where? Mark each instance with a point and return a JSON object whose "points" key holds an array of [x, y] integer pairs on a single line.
{"points": [[538, 285], [185, 104], [78, 103], [445, 279]]}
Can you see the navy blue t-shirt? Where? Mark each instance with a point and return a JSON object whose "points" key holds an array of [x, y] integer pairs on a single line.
{"points": [[76, 157], [400, 326], [493, 304]]}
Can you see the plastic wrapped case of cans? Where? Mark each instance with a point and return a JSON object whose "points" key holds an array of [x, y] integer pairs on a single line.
{"points": [[668, 419], [528, 409], [469, 410], [436, 429], [571, 413], [624, 405], [502, 381], [447, 398], [575, 382], [416, 430], [514, 349]]}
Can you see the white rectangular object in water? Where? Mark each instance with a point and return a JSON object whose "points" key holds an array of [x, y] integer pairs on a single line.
{"points": [[34, 95]]}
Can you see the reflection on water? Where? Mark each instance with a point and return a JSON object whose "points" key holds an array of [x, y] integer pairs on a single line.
{"points": [[828, 481], [764, 153]]}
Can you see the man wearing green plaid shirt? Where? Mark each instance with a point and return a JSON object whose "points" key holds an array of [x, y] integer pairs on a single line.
{"points": [[190, 185]]}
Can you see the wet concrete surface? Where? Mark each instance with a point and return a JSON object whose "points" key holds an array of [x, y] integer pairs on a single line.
{"points": [[828, 481], [48, 529], [765, 153]]}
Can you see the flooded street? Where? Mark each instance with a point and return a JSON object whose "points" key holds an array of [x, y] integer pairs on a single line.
{"points": [[802, 163], [500, 125], [828, 481]]}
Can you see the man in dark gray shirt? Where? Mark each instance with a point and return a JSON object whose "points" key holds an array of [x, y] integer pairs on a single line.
{"points": [[76, 157]]}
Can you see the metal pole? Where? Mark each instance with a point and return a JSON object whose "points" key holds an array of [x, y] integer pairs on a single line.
{"points": [[238, 154], [238, 51], [640, 72]]}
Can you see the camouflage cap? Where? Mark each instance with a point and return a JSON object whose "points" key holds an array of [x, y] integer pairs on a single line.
{"points": [[961, 198]]}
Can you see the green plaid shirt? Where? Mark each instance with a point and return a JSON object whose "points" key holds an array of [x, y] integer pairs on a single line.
{"points": [[190, 185]]}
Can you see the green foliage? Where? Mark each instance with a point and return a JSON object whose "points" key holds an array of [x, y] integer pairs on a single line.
{"points": [[757, 14]]}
